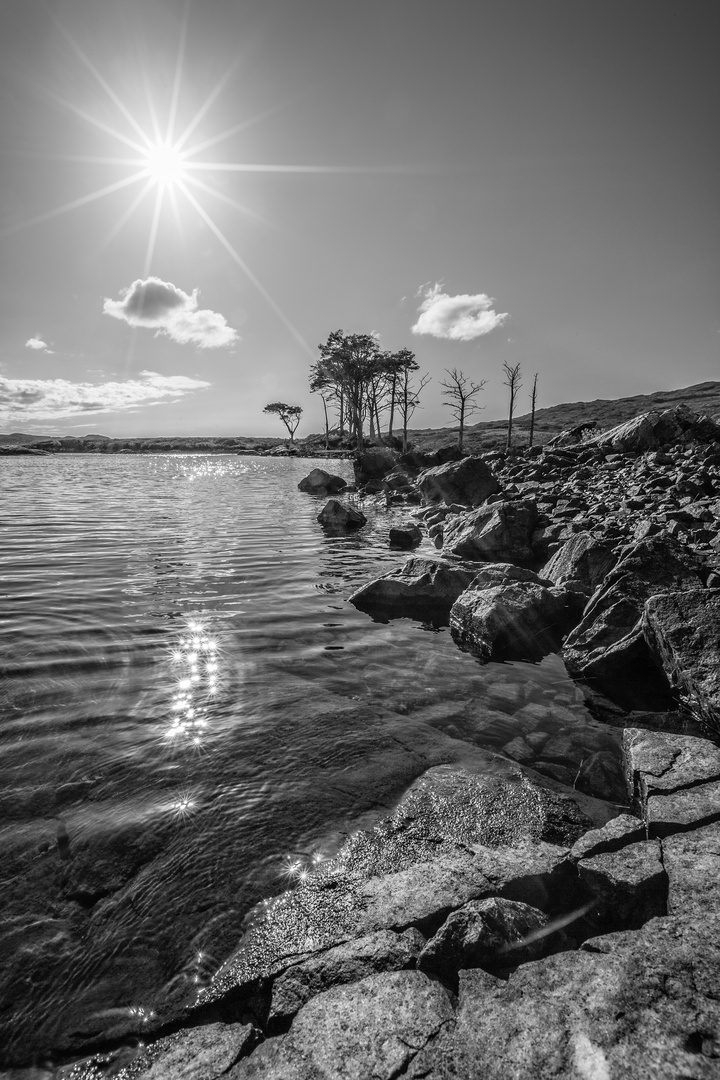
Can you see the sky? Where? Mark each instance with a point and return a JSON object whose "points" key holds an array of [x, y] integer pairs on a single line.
{"points": [[193, 196]]}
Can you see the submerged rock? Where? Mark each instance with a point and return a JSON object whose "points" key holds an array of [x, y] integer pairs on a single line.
{"points": [[334, 516], [421, 586]]}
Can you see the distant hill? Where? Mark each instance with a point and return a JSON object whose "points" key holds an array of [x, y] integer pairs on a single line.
{"points": [[701, 398]]}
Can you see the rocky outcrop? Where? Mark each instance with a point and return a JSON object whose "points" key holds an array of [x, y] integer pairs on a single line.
{"points": [[319, 482], [652, 430], [582, 563], [500, 532], [336, 517], [682, 629], [425, 587], [608, 646], [371, 466], [469, 482]]}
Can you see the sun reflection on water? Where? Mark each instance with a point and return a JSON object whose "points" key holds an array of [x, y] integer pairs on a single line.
{"points": [[197, 669]]}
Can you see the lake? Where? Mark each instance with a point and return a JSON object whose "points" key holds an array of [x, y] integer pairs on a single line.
{"points": [[191, 713]]}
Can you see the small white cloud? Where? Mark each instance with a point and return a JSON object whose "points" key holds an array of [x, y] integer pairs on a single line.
{"points": [[163, 307], [458, 318], [53, 399], [38, 344]]}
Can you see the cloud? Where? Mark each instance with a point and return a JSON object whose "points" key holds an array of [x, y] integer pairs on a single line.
{"points": [[163, 307], [53, 399], [38, 343], [459, 318]]}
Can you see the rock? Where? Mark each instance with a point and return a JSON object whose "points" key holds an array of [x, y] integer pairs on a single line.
{"points": [[503, 573], [200, 1053], [681, 628], [684, 809], [584, 560], [348, 963], [660, 762], [653, 430], [481, 932], [372, 1028], [335, 516], [419, 586], [373, 464], [319, 482], [692, 864], [406, 535], [607, 648], [614, 835], [500, 532], [639, 1006], [628, 886], [509, 622], [468, 481]]}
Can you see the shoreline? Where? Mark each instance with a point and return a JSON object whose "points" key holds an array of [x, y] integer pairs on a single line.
{"points": [[437, 947]]}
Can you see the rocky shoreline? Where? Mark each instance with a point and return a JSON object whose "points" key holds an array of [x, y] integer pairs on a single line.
{"points": [[499, 923]]}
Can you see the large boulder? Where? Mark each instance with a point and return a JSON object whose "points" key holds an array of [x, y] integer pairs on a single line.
{"points": [[425, 587], [583, 562], [653, 430], [608, 648], [501, 532], [336, 517], [482, 932], [682, 630], [319, 482], [373, 464], [519, 621], [469, 482]]}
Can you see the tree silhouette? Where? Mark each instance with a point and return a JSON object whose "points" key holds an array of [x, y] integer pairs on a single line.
{"points": [[462, 393], [512, 380], [289, 414]]}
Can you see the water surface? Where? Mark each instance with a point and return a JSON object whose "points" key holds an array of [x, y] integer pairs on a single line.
{"points": [[190, 711]]}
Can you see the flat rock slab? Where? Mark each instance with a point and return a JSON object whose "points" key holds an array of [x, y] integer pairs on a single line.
{"points": [[348, 963], [200, 1053], [692, 864], [614, 835], [629, 886], [642, 1006], [373, 1028], [419, 584], [682, 810], [659, 762], [682, 628]]}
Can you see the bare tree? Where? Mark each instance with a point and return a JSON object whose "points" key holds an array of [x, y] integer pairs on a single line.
{"points": [[408, 398], [462, 393], [533, 399], [512, 380]]}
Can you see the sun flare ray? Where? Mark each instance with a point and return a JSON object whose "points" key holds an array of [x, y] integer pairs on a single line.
{"points": [[175, 97], [138, 147], [198, 183], [75, 204], [127, 214], [245, 268], [207, 104], [154, 229]]}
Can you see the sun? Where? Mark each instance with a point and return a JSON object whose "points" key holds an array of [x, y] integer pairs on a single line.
{"points": [[165, 165]]}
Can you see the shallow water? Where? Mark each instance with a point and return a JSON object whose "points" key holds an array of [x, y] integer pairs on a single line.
{"points": [[190, 710]]}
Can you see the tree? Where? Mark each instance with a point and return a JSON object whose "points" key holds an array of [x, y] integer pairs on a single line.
{"points": [[349, 363], [289, 414], [462, 393], [397, 366], [512, 380], [533, 399], [408, 398]]}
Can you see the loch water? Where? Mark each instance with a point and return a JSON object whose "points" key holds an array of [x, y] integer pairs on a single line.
{"points": [[191, 713]]}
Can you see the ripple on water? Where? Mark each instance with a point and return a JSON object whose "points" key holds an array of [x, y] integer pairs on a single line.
{"points": [[191, 710]]}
